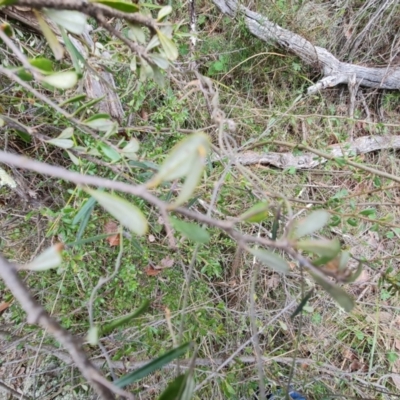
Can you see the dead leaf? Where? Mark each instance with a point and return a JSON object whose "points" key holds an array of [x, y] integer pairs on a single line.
{"points": [[167, 262], [4, 305], [363, 278], [355, 366], [151, 271], [385, 317], [112, 227], [397, 344]]}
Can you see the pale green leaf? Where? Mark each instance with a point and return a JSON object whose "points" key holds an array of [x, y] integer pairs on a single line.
{"points": [[67, 133], [61, 80], [169, 47], [2, 123], [72, 21], [182, 157], [190, 230], [323, 247], [51, 38], [337, 293], [126, 213], [192, 180], [164, 12], [109, 152], [119, 5], [132, 146], [154, 42], [73, 158], [100, 124], [271, 260], [50, 258], [133, 64], [310, 224], [112, 130], [257, 213], [93, 336], [159, 60], [137, 34], [62, 143]]}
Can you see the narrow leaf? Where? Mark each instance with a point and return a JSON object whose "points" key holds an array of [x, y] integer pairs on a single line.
{"points": [[257, 213], [303, 302], [119, 5], [169, 47], [61, 80], [63, 143], [323, 247], [67, 133], [270, 259], [137, 34], [42, 63], [100, 124], [164, 12], [174, 389], [126, 213], [93, 335], [77, 58], [191, 230], [109, 152], [180, 160], [152, 366], [159, 60], [72, 21], [124, 320], [337, 293], [51, 38], [312, 223], [50, 258]]}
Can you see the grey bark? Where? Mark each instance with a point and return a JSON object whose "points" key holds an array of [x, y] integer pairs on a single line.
{"points": [[334, 71]]}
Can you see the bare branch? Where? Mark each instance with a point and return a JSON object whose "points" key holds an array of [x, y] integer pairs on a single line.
{"points": [[37, 315]]}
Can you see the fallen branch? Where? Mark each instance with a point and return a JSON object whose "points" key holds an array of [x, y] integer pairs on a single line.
{"points": [[334, 71], [312, 158]]}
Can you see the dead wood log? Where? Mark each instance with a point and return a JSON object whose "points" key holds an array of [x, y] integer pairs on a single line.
{"points": [[307, 160], [334, 71]]}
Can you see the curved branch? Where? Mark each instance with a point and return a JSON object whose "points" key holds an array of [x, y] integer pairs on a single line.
{"points": [[333, 70]]}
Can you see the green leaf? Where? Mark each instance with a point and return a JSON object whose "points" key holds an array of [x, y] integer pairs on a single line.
{"points": [[126, 213], [174, 389], [25, 75], [74, 99], [164, 12], [152, 366], [137, 34], [180, 161], [93, 335], [7, 2], [310, 224], [190, 184], [51, 38], [270, 259], [119, 5], [302, 304], [62, 143], [67, 133], [50, 258], [189, 388], [7, 29], [124, 320], [323, 247], [77, 58], [42, 63], [190, 230], [337, 293], [109, 152], [159, 60], [257, 213], [99, 123], [72, 21], [73, 158], [369, 212], [131, 149], [169, 47], [61, 80]]}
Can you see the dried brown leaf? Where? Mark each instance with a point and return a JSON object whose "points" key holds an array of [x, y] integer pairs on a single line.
{"points": [[112, 227], [151, 271], [4, 305]]}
